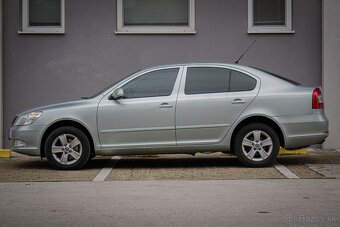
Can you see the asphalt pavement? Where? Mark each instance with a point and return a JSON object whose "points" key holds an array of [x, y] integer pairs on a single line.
{"points": [[264, 202], [172, 190]]}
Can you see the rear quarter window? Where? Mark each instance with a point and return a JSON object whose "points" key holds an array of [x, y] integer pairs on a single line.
{"points": [[241, 82]]}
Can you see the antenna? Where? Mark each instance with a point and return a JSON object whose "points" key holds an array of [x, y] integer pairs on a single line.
{"points": [[236, 62]]}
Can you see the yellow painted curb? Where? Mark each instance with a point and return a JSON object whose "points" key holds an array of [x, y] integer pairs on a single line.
{"points": [[5, 153], [302, 151]]}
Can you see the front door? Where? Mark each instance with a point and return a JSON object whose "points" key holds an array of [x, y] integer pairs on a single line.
{"points": [[145, 117]]}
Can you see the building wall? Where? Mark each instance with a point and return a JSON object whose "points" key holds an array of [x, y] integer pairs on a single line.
{"points": [[1, 87], [43, 69], [331, 69]]}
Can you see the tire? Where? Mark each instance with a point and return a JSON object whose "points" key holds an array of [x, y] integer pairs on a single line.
{"points": [[71, 148], [92, 156], [256, 145]]}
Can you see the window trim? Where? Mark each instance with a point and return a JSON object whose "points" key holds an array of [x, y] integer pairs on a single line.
{"points": [[287, 28], [26, 29], [121, 29]]}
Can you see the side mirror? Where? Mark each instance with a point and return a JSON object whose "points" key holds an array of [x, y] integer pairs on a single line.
{"points": [[117, 94]]}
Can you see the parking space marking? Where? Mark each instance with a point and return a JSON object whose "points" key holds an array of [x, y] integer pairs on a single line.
{"points": [[107, 169], [285, 171], [327, 170]]}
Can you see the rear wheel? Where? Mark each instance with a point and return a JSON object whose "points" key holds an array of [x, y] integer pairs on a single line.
{"points": [[67, 148], [256, 145]]}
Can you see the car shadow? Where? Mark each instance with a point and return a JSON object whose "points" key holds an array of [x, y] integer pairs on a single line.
{"points": [[166, 162], [42, 164], [32, 164], [187, 162]]}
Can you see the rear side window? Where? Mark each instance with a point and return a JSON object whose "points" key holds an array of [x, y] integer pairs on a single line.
{"points": [[241, 82], [152, 84], [201, 80]]}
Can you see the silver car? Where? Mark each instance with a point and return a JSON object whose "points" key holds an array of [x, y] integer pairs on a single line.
{"points": [[184, 108]]}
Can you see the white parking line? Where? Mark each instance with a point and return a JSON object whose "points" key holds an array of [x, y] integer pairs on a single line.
{"points": [[107, 169], [285, 171]]}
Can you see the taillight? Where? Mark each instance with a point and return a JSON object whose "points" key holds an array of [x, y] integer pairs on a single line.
{"points": [[317, 99]]}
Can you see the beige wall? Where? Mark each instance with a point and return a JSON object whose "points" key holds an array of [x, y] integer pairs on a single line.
{"points": [[331, 69]]}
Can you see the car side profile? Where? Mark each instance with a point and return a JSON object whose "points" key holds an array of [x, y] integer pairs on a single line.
{"points": [[183, 108]]}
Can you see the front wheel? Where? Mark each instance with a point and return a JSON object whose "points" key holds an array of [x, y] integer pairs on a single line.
{"points": [[256, 145], [67, 148]]}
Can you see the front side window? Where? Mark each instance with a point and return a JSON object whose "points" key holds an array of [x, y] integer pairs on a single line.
{"points": [[43, 16], [270, 16], [155, 16], [152, 84]]}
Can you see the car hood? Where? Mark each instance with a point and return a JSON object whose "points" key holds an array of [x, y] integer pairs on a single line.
{"points": [[63, 105]]}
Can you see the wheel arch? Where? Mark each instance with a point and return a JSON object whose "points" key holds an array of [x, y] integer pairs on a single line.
{"points": [[64, 123], [258, 119]]}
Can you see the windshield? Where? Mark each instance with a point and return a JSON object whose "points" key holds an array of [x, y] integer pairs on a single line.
{"points": [[278, 76], [108, 87]]}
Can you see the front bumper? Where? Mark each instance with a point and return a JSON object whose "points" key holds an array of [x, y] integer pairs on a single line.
{"points": [[29, 137]]}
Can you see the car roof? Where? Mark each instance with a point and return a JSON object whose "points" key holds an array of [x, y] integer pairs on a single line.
{"points": [[233, 65], [263, 74], [245, 68]]}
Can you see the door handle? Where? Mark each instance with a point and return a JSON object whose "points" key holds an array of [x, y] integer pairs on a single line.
{"points": [[238, 101], [165, 105]]}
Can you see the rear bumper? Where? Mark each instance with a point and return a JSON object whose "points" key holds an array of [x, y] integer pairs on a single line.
{"points": [[305, 141], [304, 130]]}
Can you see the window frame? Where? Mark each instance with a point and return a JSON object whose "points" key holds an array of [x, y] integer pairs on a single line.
{"points": [[26, 29], [185, 72], [121, 29], [287, 28]]}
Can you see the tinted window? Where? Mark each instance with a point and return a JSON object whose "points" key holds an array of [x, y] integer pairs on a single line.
{"points": [[269, 12], [202, 80], [156, 83], [241, 82], [44, 13], [159, 12]]}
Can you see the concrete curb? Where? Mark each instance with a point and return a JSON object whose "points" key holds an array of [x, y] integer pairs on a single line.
{"points": [[293, 152], [5, 153]]}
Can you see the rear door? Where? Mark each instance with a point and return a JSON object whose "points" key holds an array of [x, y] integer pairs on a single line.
{"points": [[209, 101]]}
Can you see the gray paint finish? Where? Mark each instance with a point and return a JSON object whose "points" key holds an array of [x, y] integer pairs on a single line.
{"points": [[331, 70], [43, 69]]}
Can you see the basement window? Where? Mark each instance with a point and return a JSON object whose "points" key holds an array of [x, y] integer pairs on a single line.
{"points": [[43, 17], [270, 16], [155, 17]]}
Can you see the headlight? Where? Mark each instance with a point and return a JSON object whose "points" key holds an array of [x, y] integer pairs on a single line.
{"points": [[27, 119]]}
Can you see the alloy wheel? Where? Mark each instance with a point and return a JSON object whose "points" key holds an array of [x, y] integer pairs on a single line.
{"points": [[257, 145], [66, 149]]}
